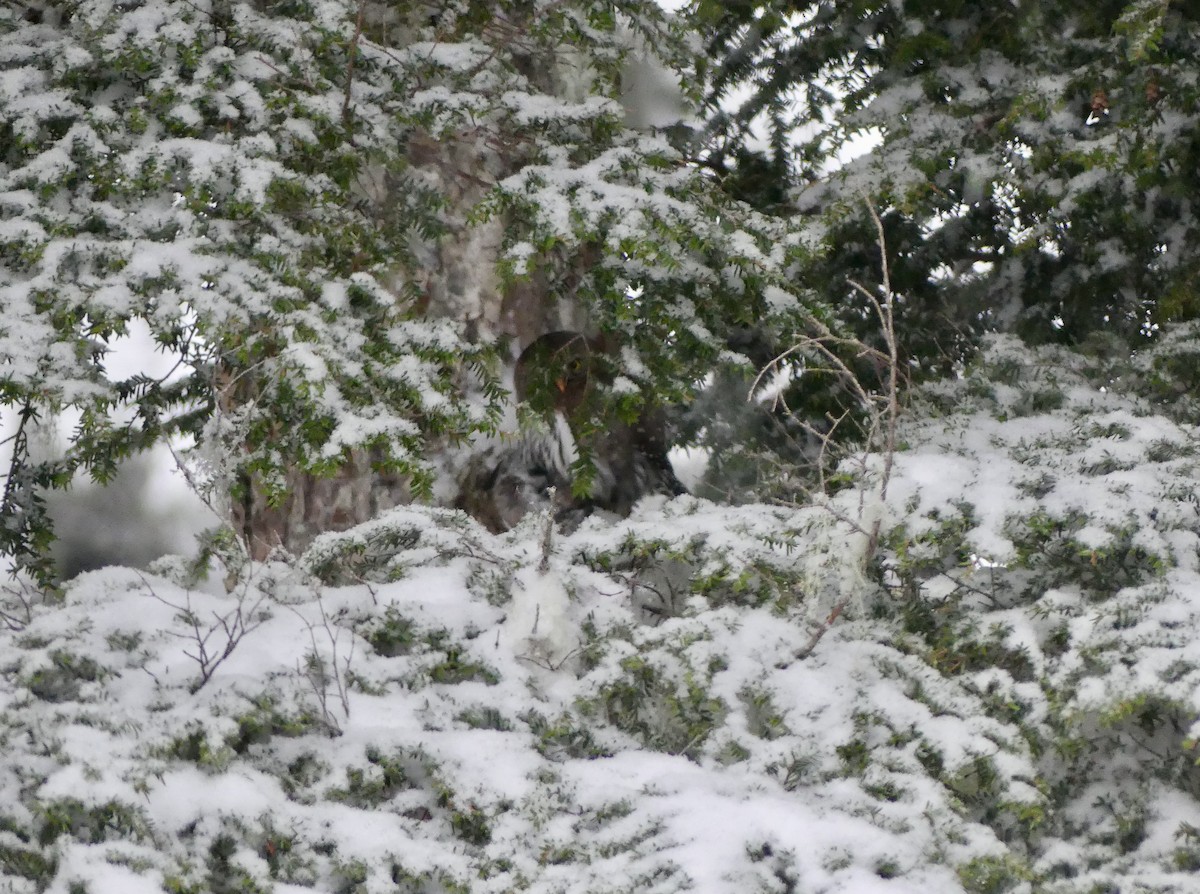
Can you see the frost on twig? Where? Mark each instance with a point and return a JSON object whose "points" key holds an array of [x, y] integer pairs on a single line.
{"points": [[212, 641], [327, 671], [880, 410], [540, 620], [17, 599], [547, 534]]}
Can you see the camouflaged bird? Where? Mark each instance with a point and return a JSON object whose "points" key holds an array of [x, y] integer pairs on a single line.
{"points": [[554, 376]]}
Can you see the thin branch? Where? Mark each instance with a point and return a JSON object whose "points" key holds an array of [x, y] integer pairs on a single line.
{"points": [[192, 484], [317, 674], [12, 621], [546, 664], [547, 533], [883, 420], [347, 114], [232, 627], [889, 334]]}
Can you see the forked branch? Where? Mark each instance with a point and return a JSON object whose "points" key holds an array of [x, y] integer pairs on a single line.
{"points": [[882, 412]]}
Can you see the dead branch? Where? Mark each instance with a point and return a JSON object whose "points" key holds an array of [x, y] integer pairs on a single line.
{"points": [[13, 618], [883, 413], [324, 676], [216, 640], [547, 533]]}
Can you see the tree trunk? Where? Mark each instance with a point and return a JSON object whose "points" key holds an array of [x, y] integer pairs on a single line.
{"points": [[315, 505], [458, 278]]}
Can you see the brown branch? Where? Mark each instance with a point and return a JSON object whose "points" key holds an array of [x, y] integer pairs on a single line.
{"points": [[347, 115], [232, 627]]}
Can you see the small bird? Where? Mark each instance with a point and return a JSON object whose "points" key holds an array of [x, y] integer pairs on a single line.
{"points": [[555, 376]]}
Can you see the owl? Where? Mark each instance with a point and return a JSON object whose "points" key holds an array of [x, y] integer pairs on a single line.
{"points": [[554, 376]]}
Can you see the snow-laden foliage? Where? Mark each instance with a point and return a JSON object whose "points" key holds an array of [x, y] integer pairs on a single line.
{"points": [[298, 198], [1048, 562], [1039, 157], [1009, 704]]}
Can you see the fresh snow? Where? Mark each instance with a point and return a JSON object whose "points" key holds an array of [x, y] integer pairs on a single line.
{"points": [[457, 709]]}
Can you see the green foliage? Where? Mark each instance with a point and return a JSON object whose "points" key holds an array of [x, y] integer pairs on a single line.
{"points": [[665, 707], [391, 545], [563, 738], [993, 875], [485, 717], [194, 747], [225, 876], [763, 718], [26, 531], [1033, 163], [1040, 611], [939, 549], [64, 678], [383, 776], [166, 141], [1010, 700], [1168, 376], [753, 566], [1045, 546], [456, 667], [390, 635], [429, 882], [471, 825], [112, 820], [285, 856], [267, 719], [27, 863], [282, 214]]}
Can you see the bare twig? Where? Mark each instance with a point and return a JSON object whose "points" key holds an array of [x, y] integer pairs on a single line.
{"points": [[545, 663], [20, 589], [217, 640], [322, 674], [882, 421], [547, 533]]}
